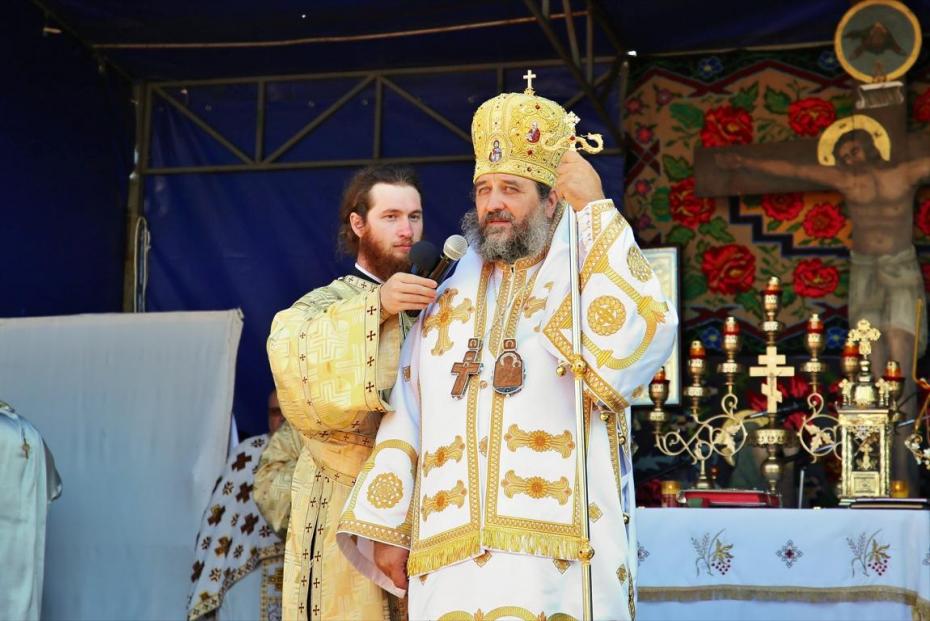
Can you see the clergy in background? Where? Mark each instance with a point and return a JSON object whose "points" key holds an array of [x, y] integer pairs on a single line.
{"points": [[29, 481], [473, 474], [334, 357]]}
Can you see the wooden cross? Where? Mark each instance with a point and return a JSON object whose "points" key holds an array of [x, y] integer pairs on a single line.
{"points": [[26, 448], [442, 319], [528, 76], [466, 368], [865, 335], [792, 166], [771, 372]]}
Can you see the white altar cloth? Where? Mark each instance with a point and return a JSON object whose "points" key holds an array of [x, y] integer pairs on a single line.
{"points": [[783, 563]]}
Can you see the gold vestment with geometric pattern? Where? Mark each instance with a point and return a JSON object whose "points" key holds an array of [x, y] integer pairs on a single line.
{"points": [[334, 363]]}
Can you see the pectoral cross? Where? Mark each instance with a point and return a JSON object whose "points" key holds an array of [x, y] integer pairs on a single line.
{"points": [[26, 448], [466, 368], [771, 372]]}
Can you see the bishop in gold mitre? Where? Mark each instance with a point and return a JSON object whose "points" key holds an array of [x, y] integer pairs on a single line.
{"points": [[334, 356], [472, 482]]}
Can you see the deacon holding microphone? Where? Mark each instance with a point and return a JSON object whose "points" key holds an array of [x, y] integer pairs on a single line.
{"points": [[334, 355]]}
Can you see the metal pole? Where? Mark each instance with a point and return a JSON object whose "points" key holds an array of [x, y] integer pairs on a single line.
{"points": [[578, 369], [141, 96]]}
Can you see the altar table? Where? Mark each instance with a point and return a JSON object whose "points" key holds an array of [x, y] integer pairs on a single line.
{"points": [[793, 564]]}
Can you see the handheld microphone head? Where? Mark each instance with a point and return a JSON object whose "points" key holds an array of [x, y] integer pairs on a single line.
{"points": [[423, 258], [455, 247]]}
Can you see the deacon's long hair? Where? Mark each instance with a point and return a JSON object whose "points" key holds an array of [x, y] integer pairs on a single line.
{"points": [[357, 198]]}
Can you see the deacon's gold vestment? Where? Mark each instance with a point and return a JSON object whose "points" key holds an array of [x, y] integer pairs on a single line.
{"points": [[334, 362]]}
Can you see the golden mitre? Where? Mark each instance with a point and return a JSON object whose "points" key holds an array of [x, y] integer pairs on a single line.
{"points": [[524, 134]]}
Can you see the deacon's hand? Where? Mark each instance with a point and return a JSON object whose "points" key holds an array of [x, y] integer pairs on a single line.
{"points": [[404, 291], [392, 561], [577, 182]]}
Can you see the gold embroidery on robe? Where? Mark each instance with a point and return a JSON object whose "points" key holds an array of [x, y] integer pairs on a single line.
{"points": [[621, 574], [482, 560], [443, 318], [443, 455], [606, 315], [504, 612], [534, 305], [539, 441], [638, 264], [443, 499], [536, 487], [385, 490]]}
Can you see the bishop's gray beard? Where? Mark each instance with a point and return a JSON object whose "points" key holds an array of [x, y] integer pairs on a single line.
{"points": [[528, 238]]}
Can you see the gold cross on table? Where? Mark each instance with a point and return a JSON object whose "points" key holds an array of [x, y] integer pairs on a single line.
{"points": [[443, 318], [528, 76], [771, 372], [865, 335]]}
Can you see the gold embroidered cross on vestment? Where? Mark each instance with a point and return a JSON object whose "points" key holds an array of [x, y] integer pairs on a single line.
{"points": [[442, 319]]}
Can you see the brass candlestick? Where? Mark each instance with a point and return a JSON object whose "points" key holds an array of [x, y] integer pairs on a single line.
{"points": [[722, 433], [771, 437]]}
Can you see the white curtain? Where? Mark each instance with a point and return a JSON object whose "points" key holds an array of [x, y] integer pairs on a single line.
{"points": [[136, 410]]}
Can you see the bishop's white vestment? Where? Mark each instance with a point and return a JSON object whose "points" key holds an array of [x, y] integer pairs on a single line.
{"points": [[483, 489]]}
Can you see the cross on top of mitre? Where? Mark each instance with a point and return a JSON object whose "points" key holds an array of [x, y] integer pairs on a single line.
{"points": [[528, 76], [865, 335]]}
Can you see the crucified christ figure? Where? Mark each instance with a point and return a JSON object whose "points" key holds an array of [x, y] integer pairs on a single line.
{"points": [[885, 280]]}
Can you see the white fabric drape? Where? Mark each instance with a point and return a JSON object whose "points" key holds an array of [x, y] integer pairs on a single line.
{"points": [[798, 564], [136, 410]]}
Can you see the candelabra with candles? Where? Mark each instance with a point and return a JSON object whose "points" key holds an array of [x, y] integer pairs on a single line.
{"points": [[860, 433], [723, 433]]}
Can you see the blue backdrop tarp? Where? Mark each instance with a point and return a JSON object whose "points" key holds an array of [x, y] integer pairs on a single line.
{"points": [[66, 135], [260, 240]]}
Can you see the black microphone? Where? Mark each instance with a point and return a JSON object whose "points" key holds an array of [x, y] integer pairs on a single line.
{"points": [[423, 258], [426, 261]]}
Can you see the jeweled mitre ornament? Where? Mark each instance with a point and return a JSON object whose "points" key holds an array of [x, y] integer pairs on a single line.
{"points": [[526, 135]]}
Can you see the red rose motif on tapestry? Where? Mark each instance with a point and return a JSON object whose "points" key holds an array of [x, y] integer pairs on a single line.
{"points": [[813, 279], [687, 208], [824, 220], [729, 269], [726, 125], [922, 217], [807, 117], [644, 134], [922, 107], [783, 206]]}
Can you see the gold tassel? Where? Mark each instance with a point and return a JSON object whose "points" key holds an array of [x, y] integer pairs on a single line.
{"points": [[423, 561]]}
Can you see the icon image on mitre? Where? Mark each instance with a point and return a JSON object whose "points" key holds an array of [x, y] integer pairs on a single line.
{"points": [[495, 154]]}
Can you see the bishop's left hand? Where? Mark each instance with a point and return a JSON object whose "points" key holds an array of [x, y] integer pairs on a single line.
{"points": [[577, 182]]}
